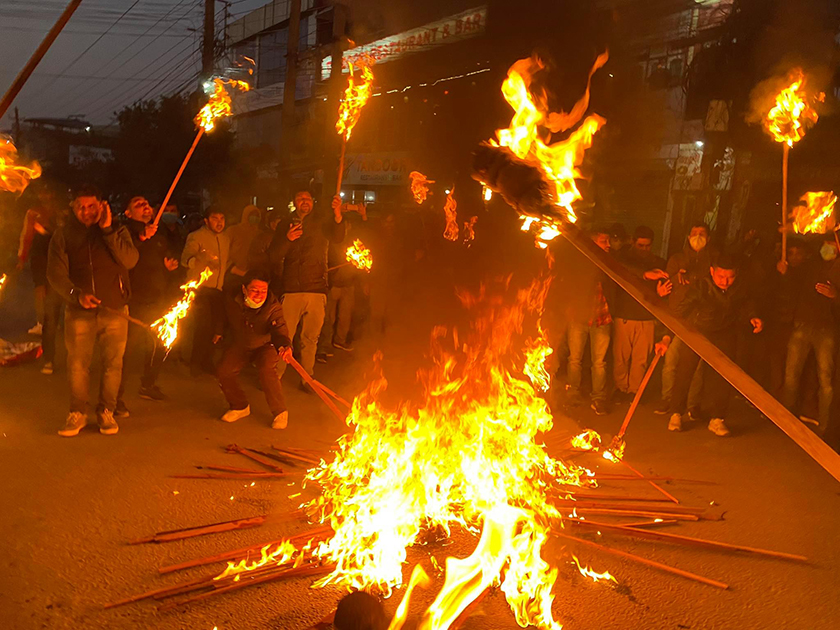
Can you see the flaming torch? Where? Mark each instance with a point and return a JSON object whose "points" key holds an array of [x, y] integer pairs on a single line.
{"points": [[815, 213], [419, 186], [218, 106], [359, 90], [166, 327], [2, 283], [786, 123], [15, 177], [450, 210], [357, 255]]}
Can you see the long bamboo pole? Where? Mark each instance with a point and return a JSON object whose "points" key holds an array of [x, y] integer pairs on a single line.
{"points": [[178, 175], [785, 156], [341, 165], [709, 352], [638, 397], [37, 56]]}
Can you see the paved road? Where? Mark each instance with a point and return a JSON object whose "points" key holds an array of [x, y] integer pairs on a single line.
{"points": [[70, 505]]}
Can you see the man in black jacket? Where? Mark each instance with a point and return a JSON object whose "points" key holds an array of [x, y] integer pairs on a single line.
{"points": [[149, 293], [298, 254], [88, 265], [716, 305], [259, 334]]}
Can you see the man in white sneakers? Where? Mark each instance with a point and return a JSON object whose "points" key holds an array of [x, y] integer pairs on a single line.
{"points": [[259, 335]]}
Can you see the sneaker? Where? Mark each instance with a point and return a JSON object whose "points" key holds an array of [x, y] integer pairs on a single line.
{"points": [[718, 427], [76, 421], [233, 415], [48, 368], [662, 408], [152, 393], [37, 329], [343, 346], [121, 411], [107, 424], [600, 408], [675, 423], [321, 357], [281, 420]]}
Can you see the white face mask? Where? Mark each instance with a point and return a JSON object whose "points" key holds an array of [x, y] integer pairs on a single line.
{"points": [[697, 242], [828, 251], [252, 304]]}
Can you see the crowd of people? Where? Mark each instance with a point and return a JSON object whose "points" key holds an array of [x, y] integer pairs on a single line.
{"points": [[261, 281], [275, 285], [769, 314]]}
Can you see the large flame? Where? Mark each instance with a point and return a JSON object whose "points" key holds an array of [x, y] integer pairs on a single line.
{"points": [[450, 210], [359, 90], [419, 186], [15, 177], [167, 326], [815, 213], [219, 104], [359, 256], [529, 136], [792, 113]]}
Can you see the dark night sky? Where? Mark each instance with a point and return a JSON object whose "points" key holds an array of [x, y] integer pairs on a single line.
{"points": [[147, 52]]}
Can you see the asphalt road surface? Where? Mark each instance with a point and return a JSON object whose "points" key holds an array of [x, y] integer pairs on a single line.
{"points": [[70, 505]]}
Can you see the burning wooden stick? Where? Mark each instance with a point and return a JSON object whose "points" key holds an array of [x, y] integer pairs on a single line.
{"points": [[218, 106], [356, 95], [166, 328], [14, 176], [615, 451]]}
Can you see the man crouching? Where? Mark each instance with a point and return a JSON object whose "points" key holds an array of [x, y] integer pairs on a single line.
{"points": [[259, 334]]}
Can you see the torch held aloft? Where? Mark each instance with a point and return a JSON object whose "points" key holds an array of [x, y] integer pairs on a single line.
{"points": [[178, 176]]}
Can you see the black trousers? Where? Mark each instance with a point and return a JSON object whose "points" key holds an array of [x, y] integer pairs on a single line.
{"points": [[153, 351], [716, 390], [208, 310]]}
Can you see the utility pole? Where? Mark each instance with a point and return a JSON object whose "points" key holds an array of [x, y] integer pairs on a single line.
{"points": [[208, 43], [287, 120]]}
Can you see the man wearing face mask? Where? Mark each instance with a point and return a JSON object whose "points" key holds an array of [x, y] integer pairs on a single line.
{"points": [[685, 268], [811, 284], [634, 332], [258, 335], [88, 265], [298, 256]]}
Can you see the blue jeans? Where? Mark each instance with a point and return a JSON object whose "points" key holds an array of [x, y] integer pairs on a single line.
{"points": [[82, 329], [823, 341], [599, 342], [669, 374]]}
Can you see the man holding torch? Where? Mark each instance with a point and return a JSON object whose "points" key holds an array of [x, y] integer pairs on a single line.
{"points": [[88, 265], [298, 254]]}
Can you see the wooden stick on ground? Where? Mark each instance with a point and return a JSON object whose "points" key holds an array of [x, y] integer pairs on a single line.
{"points": [[294, 455], [201, 530], [241, 476], [650, 563], [232, 469], [696, 542], [234, 448], [659, 489]]}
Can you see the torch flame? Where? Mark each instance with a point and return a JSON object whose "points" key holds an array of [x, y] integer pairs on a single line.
{"points": [[529, 135], [355, 97], [791, 114], [589, 440], [615, 453], [591, 574], [219, 104], [359, 256], [419, 186], [815, 213], [167, 326], [450, 210], [469, 231], [15, 177]]}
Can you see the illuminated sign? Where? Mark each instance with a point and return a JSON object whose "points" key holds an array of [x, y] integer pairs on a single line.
{"points": [[455, 28]]}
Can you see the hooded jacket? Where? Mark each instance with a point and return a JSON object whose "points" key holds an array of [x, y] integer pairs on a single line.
{"points": [[252, 328], [242, 235], [302, 264], [202, 247], [91, 260]]}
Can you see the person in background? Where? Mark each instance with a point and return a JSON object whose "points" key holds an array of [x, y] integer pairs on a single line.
{"points": [[716, 305], [88, 265], [633, 325], [173, 227], [811, 284], [259, 335], [384, 283], [341, 298], [150, 288], [298, 254], [241, 236], [619, 238], [258, 258], [586, 294], [207, 248], [684, 269], [40, 222]]}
